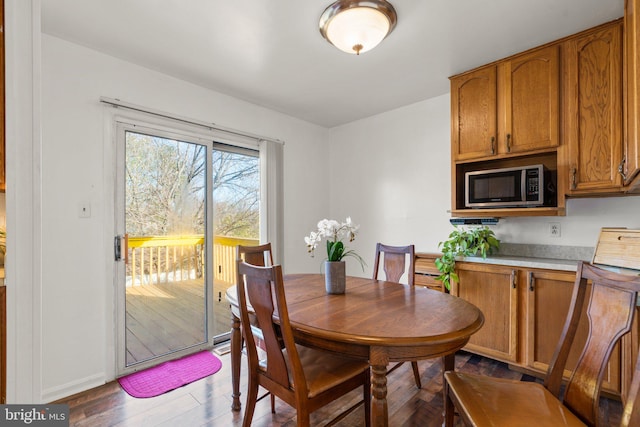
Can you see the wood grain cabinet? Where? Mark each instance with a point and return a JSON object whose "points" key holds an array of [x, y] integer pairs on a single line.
{"points": [[507, 108], [572, 105], [529, 117], [493, 289], [525, 310], [474, 114], [631, 165], [593, 110], [546, 299], [506, 114], [426, 271]]}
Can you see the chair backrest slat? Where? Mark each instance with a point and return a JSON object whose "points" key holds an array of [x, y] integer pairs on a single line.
{"points": [[610, 310], [255, 255], [264, 290], [394, 262]]}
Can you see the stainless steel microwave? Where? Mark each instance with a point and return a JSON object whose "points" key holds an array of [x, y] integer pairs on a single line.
{"points": [[507, 187]]}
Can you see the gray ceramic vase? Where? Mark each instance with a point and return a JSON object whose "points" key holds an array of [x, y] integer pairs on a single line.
{"points": [[335, 277]]}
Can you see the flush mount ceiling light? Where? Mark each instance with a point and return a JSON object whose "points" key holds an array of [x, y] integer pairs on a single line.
{"points": [[357, 26]]}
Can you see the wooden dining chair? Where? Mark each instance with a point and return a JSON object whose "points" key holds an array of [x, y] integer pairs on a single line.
{"points": [[305, 378], [394, 264], [260, 255], [611, 304], [255, 255]]}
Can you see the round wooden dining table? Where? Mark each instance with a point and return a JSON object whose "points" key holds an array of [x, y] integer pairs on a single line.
{"points": [[374, 320]]}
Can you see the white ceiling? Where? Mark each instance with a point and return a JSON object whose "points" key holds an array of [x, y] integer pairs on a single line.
{"points": [[270, 52]]}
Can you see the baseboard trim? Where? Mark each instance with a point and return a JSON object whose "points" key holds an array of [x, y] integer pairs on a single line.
{"points": [[55, 393]]}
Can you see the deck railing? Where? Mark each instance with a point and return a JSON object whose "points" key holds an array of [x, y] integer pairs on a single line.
{"points": [[224, 257], [163, 259]]}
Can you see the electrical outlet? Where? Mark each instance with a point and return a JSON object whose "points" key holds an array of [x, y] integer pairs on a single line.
{"points": [[554, 229]]}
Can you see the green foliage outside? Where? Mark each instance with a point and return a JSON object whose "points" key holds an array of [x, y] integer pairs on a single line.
{"points": [[166, 184]]}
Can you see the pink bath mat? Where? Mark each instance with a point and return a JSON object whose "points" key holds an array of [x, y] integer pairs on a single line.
{"points": [[170, 375]]}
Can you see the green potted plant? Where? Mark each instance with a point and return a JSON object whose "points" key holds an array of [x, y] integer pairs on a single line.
{"points": [[463, 242]]}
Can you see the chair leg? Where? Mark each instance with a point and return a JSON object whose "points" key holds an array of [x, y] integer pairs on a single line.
{"points": [[273, 404], [252, 397], [367, 400], [448, 364], [416, 374], [304, 418], [449, 409]]}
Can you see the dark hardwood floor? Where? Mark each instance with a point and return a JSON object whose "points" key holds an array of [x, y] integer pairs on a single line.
{"points": [[208, 402]]}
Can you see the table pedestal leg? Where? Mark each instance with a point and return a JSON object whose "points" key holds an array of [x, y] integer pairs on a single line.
{"points": [[448, 364], [236, 350], [379, 411]]}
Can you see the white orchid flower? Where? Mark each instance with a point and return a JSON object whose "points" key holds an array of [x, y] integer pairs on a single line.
{"points": [[334, 232]]}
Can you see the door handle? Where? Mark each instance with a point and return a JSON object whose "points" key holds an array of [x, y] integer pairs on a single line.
{"points": [[117, 252], [118, 249]]}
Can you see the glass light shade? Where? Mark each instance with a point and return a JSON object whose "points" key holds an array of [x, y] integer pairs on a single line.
{"points": [[356, 26], [360, 26]]}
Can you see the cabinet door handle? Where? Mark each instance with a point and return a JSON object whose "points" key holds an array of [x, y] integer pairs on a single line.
{"points": [[621, 167], [628, 237], [514, 279], [531, 281], [493, 145], [574, 172], [508, 143]]}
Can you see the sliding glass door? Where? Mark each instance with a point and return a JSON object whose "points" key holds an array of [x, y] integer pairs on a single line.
{"points": [[183, 204], [165, 246], [236, 219]]}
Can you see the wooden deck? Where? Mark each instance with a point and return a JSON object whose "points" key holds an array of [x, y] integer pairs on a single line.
{"points": [[166, 317]]}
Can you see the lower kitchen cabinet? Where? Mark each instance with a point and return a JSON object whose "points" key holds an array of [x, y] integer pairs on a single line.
{"points": [[493, 290], [525, 310], [547, 296], [426, 271]]}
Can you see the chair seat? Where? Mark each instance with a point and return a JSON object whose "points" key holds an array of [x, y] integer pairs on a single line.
{"points": [[489, 401], [323, 370]]}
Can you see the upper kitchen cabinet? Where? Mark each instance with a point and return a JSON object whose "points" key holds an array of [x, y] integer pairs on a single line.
{"points": [[592, 64], [571, 105], [631, 164], [528, 113], [506, 108], [474, 114], [507, 114]]}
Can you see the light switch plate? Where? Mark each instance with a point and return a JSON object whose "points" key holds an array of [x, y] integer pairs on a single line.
{"points": [[84, 210]]}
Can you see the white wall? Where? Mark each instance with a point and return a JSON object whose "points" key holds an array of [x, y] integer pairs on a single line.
{"points": [[77, 279], [22, 66], [391, 174]]}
